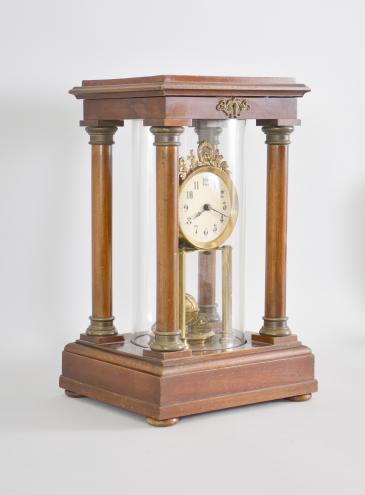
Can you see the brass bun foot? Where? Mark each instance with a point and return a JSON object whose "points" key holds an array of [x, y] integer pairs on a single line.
{"points": [[300, 398], [74, 395], [162, 422]]}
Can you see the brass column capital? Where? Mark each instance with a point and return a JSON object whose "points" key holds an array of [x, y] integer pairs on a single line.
{"points": [[101, 135], [167, 136], [277, 135]]}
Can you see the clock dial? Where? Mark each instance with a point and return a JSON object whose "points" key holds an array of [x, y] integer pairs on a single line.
{"points": [[207, 207]]}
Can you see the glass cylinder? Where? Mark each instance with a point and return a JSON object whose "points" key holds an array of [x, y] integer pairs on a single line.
{"points": [[212, 234], [144, 204]]}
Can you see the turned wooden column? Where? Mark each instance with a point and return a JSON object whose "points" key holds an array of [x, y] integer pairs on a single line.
{"points": [[101, 320], [167, 335], [275, 319], [208, 131]]}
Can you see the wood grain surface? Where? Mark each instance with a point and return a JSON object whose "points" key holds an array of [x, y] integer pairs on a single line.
{"points": [[101, 194], [276, 231], [121, 376], [181, 85], [167, 235]]}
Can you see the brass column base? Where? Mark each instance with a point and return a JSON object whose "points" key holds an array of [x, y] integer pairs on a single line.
{"points": [[101, 326], [300, 398], [275, 327], [210, 311], [167, 341], [162, 422]]}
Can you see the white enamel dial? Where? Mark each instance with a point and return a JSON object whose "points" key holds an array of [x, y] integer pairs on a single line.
{"points": [[207, 207]]}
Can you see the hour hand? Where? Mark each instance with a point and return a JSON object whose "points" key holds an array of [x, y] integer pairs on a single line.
{"points": [[199, 213]]}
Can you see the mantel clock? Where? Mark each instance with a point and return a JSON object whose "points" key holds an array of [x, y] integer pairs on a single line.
{"points": [[192, 352]]}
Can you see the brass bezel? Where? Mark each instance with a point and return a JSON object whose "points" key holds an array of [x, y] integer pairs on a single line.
{"points": [[232, 216]]}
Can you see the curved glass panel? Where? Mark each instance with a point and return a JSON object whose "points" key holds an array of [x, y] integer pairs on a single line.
{"points": [[212, 234]]}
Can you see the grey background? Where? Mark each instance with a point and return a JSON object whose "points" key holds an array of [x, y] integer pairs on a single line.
{"points": [[51, 444]]}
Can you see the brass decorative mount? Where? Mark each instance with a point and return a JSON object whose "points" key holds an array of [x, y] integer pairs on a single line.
{"points": [[233, 106], [207, 157]]}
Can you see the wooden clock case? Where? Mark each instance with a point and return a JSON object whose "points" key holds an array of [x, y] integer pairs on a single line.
{"points": [[169, 381]]}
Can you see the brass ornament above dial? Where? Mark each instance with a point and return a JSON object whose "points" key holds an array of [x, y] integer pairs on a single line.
{"points": [[208, 203]]}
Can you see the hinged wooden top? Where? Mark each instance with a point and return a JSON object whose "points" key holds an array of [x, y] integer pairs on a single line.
{"points": [[170, 85]]}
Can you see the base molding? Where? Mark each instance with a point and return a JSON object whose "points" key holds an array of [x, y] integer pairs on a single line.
{"points": [[122, 375], [101, 339]]}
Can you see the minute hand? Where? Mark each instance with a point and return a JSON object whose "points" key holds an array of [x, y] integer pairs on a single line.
{"points": [[220, 213]]}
